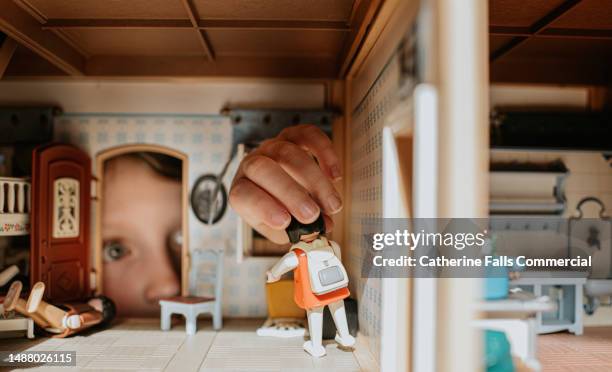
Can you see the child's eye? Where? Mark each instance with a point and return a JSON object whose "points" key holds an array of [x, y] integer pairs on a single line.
{"points": [[114, 251]]}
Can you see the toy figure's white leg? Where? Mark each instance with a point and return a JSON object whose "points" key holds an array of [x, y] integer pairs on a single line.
{"points": [[165, 318], [343, 337], [314, 347]]}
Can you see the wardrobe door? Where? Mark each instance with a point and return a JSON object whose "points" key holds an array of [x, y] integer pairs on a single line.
{"points": [[61, 181]]}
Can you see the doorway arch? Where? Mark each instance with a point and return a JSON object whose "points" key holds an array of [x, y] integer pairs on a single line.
{"points": [[104, 155]]}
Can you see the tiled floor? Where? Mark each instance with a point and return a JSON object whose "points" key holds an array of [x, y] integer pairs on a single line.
{"points": [[140, 345], [564, 352]]}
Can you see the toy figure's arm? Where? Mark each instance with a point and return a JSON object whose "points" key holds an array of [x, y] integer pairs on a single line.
{"points": [[286, 264]]}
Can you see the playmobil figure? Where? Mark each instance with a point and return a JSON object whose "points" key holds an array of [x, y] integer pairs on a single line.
{"points": [[320, 280], [74, 318]]}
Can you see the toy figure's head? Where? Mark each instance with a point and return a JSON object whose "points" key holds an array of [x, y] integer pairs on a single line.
{"points": [[105, 306], [306, 232]]}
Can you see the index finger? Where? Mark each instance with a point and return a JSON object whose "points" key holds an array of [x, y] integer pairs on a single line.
{"points": [[317, 143]]}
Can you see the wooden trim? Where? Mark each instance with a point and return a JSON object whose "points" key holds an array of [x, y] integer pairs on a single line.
{"points": [[116, 23], [192, 13], [140, 66], [346, 164], [354, 8], [334, 91], [20, 25], [600, 98], [393, 22], [550, 71], [6, 53], [535, 29], [70, 40], [107, 154], [272, 24], [362, 15], [31, 9], [570, 33], [203, 24]]}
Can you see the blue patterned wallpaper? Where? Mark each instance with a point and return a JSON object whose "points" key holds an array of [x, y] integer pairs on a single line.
{"points": [[206, 139]]}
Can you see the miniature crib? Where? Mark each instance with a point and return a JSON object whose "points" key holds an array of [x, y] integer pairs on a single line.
{"points": [[15, 196]]}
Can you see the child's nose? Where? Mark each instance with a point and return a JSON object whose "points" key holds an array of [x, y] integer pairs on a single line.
{"points": [[162, 286]]}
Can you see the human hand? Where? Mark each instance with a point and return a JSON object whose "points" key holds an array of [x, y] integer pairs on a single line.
{"points": [[281, 178]]}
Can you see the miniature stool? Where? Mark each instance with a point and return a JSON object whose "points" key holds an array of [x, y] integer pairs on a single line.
{"points": [[190, 307]]}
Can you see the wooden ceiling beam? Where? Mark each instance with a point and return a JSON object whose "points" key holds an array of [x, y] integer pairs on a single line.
{"points": [[23, 28], [193, 66], [6, 53], [203, 24], [116, 23], [571, 33], [535, 29], [192, 13], [564, 71], [273, 24]]}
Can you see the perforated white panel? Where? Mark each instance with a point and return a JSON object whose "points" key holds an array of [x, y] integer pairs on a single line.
{"points": [[366, 193]]}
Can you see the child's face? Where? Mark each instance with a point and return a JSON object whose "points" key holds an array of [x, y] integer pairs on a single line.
{"points": [[141, 213]]}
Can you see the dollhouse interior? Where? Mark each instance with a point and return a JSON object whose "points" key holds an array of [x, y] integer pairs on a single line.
{"points": [[107, 108]]}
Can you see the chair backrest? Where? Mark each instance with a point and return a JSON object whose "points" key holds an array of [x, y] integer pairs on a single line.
{"points": [[212, 261]]}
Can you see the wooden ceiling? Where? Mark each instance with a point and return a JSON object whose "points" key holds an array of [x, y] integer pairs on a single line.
{"points": [[278, 38], [551, 41], [531, 41]]}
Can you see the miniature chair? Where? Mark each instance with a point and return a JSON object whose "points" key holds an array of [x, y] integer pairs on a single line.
{"points": [[192, 306]]}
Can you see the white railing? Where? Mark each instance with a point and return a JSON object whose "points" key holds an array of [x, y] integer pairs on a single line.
{"points": [[14, 195], [15, 204]]}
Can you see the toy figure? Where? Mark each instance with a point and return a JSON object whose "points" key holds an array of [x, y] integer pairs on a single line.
{"points": [[76, 317], [319, 280]]}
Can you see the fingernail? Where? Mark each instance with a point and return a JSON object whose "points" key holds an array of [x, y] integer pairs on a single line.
{"points": [[335, 171], [279, 218], [309, 210], [334, 203]]}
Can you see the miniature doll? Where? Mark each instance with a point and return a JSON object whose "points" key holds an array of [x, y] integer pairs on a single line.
{"points": [[319, 280], [75, 318]]}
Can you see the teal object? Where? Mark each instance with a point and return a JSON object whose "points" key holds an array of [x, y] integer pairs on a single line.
{"points": [[497, 352], [496, 283]]}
